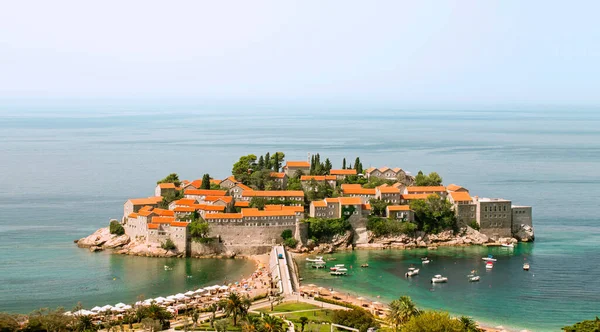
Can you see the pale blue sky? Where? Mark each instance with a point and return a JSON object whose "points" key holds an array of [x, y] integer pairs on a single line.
{"points": [[391, 52]]}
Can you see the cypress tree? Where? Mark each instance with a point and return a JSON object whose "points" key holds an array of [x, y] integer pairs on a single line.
{"points": [[261, 163], [344, 164], [268, 161], [328, 166], [205, 182], [276, 162], [356, 163]]}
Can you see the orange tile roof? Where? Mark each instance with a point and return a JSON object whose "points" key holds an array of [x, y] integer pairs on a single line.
{"points": [[196, 183], [273, 193], [342, 172], [366, 206], [259, 213], [350, 201], [204, 192], [132, 215], [223, 216], [388, 190], [163, 212], [146, 208], [184, 209], [370, 169], [205, 207], [398, 208], [185, 201], [242, 204], [396, 169], [454, 187], [277, 175], [153, 226], [215, 181], [319, 204], [231, 178], [179, 224], [166, 185], [358, 191], [144, 213], [317, 177], [163, 220], [460, 196], [427, 189], [300, 164], [397, 185], [146, 201], [413, 196], [332, 200], [279, 207], [226, 199], [349, 186], [384, 169], [243, 186]]}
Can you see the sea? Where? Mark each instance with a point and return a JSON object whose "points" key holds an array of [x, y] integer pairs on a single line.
{"points": [[67, 167]]}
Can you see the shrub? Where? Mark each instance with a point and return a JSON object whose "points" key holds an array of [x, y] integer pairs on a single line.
{"points": [[433, 321], [385, 227], [474, 225], [325, 229], [286, 234], [340, 303], [356, 318], [168, 245], [584, 326], [116, 228], [291, 242]]}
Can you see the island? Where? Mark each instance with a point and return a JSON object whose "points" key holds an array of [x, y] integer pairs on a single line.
{"points": [[308, 206]]}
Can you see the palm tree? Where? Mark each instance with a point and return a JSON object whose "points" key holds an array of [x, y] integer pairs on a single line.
{"points": [[303, 321], [272, 324], [213, 309], [469, 324], [251, 324], [235, 306], [401, 311]]}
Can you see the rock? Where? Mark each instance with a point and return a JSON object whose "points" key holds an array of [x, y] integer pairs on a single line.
{"points": [[524, 233], [95, 248], [230, 254], [97, 239], [116, 241]]}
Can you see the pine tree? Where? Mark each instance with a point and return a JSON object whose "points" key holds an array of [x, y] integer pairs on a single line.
{"points": [[344, 164], [268, 161], [261, 163], [205, 182], [328, 166], [276, 162], [356, 163], [359, 169]]}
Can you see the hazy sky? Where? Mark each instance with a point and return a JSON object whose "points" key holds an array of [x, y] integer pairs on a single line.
{"points": [[395, 52]]}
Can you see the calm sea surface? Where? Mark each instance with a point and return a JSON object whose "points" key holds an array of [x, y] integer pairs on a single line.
{"points": [[64, 171]]}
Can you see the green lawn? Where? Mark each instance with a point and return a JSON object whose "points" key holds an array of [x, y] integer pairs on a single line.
{"points": [[313, 327], [313, 316], [290, 306]]}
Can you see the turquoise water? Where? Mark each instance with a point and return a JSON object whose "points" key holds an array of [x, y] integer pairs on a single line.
{"points": [[65, 169]]}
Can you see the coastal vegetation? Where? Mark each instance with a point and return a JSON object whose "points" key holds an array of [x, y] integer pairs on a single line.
{"points": [[434, 214], [235, 306], [323, 230], [171, 178], [256, 172], [116, 228], [584, 326], [288, 239], [385, 227], [168, 245], [356, 318]]}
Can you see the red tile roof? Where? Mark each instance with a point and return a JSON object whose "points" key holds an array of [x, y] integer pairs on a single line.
{"points": [[163, 220], [413, 196], [277, 175], [319, 204], [166, 185], [460, 196], [454, 187], [259, 213], [144, 213], [273, 193], [153, 226], [398, 208], [350, 200], [185, 201], [388, 190], [225, 199], [132, 215], [342, 172], [426, 189], [184, 209], [146, 201], [279, 207], [349, 186], [317, 178], [358, 191], [179, 224], [243, 186], [223, 216], [298, 164], [204, 192], [163, 212], [205, 207], [242, 204]]}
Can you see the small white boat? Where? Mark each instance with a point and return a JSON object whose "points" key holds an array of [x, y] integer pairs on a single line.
{"points": [[438, 279], [411, 272], [168, 268], [508, 245], [336, 267], [526, 266], [341, 271], [488, 258], [473, 277], [489, 265], [319, 265], [316, 259], [425, 260]]}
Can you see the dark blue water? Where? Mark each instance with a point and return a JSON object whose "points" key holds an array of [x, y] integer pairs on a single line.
{"points": [[66, 170]]}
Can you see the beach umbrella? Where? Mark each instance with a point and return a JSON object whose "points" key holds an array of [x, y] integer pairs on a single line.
{"points": [[189, 293], [127, 307], [312, 285], [147, 302], [360, 298], [106, 308], [160, 299], [96, 309], [223, 288], [200, 290], [120, 305], [68, 313]]}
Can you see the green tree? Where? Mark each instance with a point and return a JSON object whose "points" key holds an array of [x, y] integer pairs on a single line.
{"points": [[272, 324], [344, 163], [356, 318], [171, 178], [294, 183], [168, 245], [401, 311], [384, 227], [584, 326], [235, 305], [291, 242], [49, 320], [276, 160], [434, 214], [298, 174], [213, 307], [433, 179], [169, 197], [432, 321], [199, 229], [268, 161], [243, 167], [303, 322], [205, 182], [328, 166], [116, 228], [469, 325], [9, 322], [221, 325], [324, 229], [261, 162], [258, 202], [378, 206], [195, 317], [286, 234]]}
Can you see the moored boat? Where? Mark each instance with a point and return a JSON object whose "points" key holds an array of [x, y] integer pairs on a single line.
{"points": [[526, 266], [438, 279], [316, 259], [508, 245], [340, 271], [365, 265], [319, 265], [489, 258], [473, 278], [489, 265], [425, 260], [411, 272], [336, 267]]}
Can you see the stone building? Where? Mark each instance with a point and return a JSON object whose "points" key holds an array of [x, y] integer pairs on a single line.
{"points": [[286, 195], [494, 216], [305, 180], [385, 173], [291, 167], [356, 190], [427, 190], [163, 189], [521, 215], [399, 212], [135, 204], [341, 174], [334, 208], [200, 194], [464, 207], [388, 194], [237, 189], [280, 178]]}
